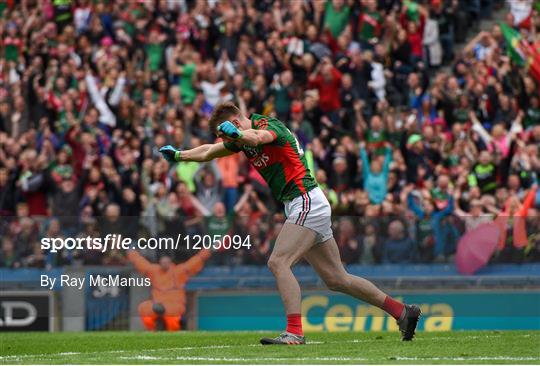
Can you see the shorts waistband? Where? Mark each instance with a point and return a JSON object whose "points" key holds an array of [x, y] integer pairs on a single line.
{"points": [[303, 193]]}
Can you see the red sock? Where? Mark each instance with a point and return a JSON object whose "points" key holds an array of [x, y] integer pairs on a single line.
{"points": [[294, 324], [393, 307]]}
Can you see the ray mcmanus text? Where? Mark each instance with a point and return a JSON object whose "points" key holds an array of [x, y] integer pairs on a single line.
{"points": [[94, 280]]}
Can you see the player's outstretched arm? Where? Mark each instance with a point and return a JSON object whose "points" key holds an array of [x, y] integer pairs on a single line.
{"points": [[253, 137], [249, 137], [201, 153]]}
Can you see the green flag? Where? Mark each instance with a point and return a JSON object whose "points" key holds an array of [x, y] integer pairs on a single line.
{"points": [[513, 39]]}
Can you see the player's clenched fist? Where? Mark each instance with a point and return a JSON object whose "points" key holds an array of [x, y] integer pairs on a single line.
{"points": [[170, 153], [229, 129]]}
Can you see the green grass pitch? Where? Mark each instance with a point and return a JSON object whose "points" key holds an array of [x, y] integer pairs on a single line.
{"points": [[514, 347]]}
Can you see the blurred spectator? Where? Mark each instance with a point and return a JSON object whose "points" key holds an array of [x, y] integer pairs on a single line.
{"points": [[8, 256], [432, 233], [348, 241], [398, 248], [376, 175], [370, 245], [167, 305], [327, 80]]}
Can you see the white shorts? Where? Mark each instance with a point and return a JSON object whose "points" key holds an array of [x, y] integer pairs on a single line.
{"points": [[313, 211]]}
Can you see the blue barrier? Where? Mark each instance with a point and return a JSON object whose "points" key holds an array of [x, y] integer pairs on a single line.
{"points": [[27, 277], [436, 275]]}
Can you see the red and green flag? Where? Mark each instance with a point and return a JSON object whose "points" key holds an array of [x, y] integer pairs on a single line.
{"points": [[533, 61], [520, 51], [513, 41]]}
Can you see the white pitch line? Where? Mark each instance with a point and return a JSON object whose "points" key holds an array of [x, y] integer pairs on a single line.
{"points": [[142, 357], [189, 358], [467, 358], [243, 359], [43, 354], [190, 348]]}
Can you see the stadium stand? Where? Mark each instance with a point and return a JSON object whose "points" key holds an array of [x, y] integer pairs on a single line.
{"points": [[89, 90]]}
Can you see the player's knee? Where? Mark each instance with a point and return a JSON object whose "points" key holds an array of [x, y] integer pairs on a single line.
{"points": [[275, 264], [336, 282]]}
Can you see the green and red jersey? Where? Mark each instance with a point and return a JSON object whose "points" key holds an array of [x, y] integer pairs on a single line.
{"points": [[369, 25], [281, 163], [376, 141]]}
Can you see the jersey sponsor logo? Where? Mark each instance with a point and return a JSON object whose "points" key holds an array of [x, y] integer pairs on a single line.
{"points": [[251, 151], [256, 156], [261, 161]]}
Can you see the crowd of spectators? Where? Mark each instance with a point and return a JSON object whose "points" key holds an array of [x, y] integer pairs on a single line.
{"points": [[413, 140]]}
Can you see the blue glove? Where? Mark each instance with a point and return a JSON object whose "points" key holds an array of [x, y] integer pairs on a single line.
{"points": [[229, 129], [170, 153]]}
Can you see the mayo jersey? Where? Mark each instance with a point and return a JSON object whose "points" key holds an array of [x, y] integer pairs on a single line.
{"points": [[281, 163]]}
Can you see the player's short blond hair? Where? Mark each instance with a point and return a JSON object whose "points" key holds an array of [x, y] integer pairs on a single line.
{"points": [[222, 112]]}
